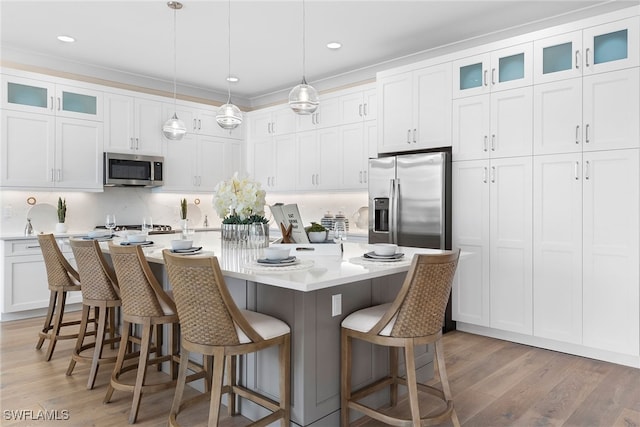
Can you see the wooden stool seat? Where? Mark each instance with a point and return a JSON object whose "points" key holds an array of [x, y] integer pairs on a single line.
{"points": [[62, 278], [414, 318], [211, 324]]}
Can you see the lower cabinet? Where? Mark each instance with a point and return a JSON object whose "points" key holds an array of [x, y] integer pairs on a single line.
{"points": [[586, 249], [25, 277], [492, 220]]}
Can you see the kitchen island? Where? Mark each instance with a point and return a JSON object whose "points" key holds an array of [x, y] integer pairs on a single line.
{"points": [[313, 297]]}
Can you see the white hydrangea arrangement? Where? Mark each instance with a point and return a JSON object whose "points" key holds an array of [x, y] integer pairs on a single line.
{"points": [[239, 201]]}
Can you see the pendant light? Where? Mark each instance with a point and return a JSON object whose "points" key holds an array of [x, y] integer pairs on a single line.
{"points": [[303, 99], [229, 116], [174, 128]]}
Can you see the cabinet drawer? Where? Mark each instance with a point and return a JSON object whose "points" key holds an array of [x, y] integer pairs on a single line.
{"points": [[21, 247]]}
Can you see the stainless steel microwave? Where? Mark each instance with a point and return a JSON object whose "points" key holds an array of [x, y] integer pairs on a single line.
{"points": [[132, 170]]}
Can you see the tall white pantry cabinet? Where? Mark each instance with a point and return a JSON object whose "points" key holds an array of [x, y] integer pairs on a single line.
{"points": [[555, 250]]}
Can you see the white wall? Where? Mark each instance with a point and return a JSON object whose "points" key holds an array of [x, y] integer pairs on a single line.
{"points": [[86, 210]]}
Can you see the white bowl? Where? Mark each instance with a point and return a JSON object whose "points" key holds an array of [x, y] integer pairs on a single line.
{"points": [[136, 238], [276, 252], [384, 249], [181, 244], [99, 233], [317, 236]]}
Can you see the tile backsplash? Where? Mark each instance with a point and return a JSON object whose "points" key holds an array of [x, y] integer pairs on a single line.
{"points": [[86, 210]]}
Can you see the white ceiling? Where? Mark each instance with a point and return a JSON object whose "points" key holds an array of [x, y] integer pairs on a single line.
{"points": [[133, 40]]}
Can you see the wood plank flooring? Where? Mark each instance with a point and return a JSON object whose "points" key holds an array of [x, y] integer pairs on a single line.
{"points": [[494, 383]]}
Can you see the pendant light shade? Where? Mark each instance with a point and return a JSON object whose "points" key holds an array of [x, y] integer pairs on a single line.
{"points": [[304, 99], [229, 116], [174, 128]]}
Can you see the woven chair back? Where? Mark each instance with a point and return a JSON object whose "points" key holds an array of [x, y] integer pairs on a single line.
{"points": [[202, 299], [59, 272], [424, 295], [98, 280], [136, 290]]}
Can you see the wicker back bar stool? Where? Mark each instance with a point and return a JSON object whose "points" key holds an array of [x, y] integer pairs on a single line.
{"points": [[147, 305], [414, 318], [211, 324], [62, 278], [99, 291]]}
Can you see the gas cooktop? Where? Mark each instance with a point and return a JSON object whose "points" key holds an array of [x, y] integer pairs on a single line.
{"points": [[157, 228]]}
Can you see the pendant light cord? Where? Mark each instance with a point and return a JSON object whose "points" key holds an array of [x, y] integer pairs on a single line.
{"points": [[229, 62], [304, 42], [175, 58]]}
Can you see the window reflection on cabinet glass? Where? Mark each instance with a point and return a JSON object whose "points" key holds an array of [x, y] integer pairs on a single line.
{"points": [[557, 58], [79, 103], [27, 95], [610, 47], [471, 76], [511, 68]]}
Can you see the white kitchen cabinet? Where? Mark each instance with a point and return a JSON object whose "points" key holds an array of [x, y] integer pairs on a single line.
{"points": [[359, 106], [415, 109], [586, 249], [355, 155], [60, 152], [493, 125], [25, 276], [492, 220], [470, 218], [198, 120], [602, 48], [319, 160], [133, 125], [326, 115], [557, 247], [590, 113], [275, 121], [611, 193], [502, 69], [51, 97], [195, 163], [274, 162]]}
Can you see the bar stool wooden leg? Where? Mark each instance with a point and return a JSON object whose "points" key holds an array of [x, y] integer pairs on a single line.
{"points": [[48, 318], [285, 380], [97, 351], [345, 378], [444, 380], [182, 379], [147, 332], [412, 384], [393, 370], [81, 335], [231, 380], [125, 344], [57, 324], [216, 392]]}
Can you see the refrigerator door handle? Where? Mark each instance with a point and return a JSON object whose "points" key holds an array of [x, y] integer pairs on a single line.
{"points": [[392, 211], [396, 211]]}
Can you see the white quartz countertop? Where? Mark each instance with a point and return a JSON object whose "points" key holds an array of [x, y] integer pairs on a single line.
{"points": [[321, 268], [324, 267]]}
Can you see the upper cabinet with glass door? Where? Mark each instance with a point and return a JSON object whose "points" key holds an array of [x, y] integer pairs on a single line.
{"points": [[502, 69], [37, 96], [607, 47]]}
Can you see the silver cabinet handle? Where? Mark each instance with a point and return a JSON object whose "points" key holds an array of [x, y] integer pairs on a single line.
{"points": [[586, 169], [360, 177], [484, 174], [269, 127], [59, 175], [577, 59], [577, 134], [317, 118], [273, 127], [485, 144], [313, 179], [575, 170], [586, 134], [586, 57], [194, 124], [317, 179], [360, 110], [273, 181], [366, 177], [365, 110], [484, 78], [414, 136], [493, 76], [408, 136], [52, 176], [137, 144], [493, 142], [51, 103], [199, 124], [32, 247], [493, 174], [59, 103], [130, 143]]}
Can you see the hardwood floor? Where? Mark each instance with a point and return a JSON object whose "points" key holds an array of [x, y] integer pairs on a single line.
{"points": [[494, 383]]}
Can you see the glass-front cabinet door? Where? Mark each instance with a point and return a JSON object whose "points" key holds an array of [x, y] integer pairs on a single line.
{"points": [[611, 46], [37, 96], [502, 69], [558, 57]]}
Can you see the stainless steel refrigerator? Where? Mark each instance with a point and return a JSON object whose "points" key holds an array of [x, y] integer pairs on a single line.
{"points": [[410, 200]]}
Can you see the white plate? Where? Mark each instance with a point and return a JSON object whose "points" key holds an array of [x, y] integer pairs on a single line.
{"points": [[270, 263], [385, 259], [192, 250], [394, 257], [148, 242]]}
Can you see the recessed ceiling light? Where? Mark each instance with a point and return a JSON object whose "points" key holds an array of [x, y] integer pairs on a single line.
{"points": [[66, 39], [334, 45], [233, 79]]}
